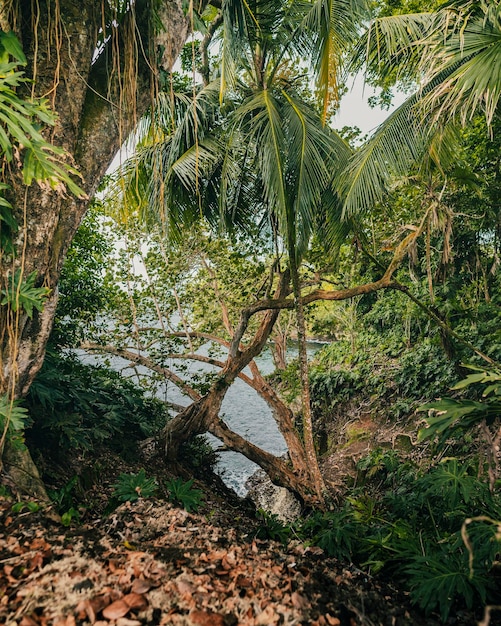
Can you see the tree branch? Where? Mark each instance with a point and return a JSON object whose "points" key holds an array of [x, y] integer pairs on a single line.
{"points": [[146, 362]]}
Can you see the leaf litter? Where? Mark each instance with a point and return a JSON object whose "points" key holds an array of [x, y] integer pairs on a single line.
{"points": [[150, 563]]}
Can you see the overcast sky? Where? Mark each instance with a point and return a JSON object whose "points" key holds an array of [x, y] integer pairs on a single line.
{"points": [[355, 111]]}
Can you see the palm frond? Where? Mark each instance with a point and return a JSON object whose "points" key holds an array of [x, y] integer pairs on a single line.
{"points": [[334, 25], [262, 128], [314, 153], [471, 51], [408, 136], [392, 45]]}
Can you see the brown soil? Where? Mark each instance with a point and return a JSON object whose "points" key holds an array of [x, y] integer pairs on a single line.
{"points": [[152, 563]]}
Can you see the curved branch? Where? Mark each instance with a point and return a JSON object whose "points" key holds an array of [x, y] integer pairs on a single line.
{"points": [[385, 282], [146, 362], [276, 468]]}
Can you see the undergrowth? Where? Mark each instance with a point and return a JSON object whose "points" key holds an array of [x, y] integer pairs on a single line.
{"points": [[408, 523]]}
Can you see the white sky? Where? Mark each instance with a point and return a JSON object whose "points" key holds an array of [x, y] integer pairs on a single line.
{"points": [[355, 111]]}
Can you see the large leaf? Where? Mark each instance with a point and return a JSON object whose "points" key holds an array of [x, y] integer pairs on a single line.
{"points": [[20, 127], [21, 293], [452, 416], [11, 414]]}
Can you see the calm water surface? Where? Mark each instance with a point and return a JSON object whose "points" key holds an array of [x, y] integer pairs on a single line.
{"points": [[243, 410]]}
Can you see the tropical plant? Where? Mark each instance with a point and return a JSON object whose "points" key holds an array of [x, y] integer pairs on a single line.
{"points": [[131, 487], [263, 155], [272, 527], [184, 493], [78, 407], [453, 53]]}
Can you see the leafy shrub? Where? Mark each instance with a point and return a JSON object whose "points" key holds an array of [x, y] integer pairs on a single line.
{"points": [[336, 532], [75, 406], [271, 527], [131, 487], [64, 499], [441, 576], [184, 494], [198, 454], [333, 386], [455, 416], [424, 372], [287, 380], [12, 416], [409, 521]]}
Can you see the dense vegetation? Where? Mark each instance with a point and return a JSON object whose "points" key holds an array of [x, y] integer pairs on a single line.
{"points": [[243, 219]]}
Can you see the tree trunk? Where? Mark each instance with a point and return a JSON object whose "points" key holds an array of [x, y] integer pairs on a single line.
{"points": [[59, 40], [317, 482], [203, 415]]}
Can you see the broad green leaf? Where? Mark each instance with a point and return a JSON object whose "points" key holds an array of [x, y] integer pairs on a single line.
{"points": [[11, 44], [12, 414]]}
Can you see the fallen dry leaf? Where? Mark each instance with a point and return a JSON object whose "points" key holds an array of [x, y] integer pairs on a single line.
{"points": [[140, 585], [135, 601], [268, 616], [299, 601], [208, 618], [116, 609]]}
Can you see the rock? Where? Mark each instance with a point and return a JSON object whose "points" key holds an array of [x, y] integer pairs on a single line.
{"points": [[272, 499]]}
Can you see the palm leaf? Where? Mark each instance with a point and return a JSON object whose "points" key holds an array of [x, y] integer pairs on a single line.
{"points": [[472, 53], [391, 46], [332, 27]]}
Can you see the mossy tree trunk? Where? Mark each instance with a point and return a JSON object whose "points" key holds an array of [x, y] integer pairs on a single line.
{"points": [[98, 102]]}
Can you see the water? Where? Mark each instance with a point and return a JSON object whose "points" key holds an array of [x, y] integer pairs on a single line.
{"points": [[247, 414], [243, 410]]}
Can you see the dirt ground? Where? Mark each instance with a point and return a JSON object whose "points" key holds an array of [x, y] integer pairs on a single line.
{"points": [[150, 563]]}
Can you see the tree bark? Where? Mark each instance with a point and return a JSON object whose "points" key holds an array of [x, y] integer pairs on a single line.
{"points": [[315, 476], [203, 415], [59, 40]]}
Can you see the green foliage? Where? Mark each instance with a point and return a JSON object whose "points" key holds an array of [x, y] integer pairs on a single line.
{"points": [[63, 498], [436, 579], [4, 492], [74, 406], [12, 416], [198, 454], [131, 487], [20, 125], [287, 380], [409, 522], [454, 479], [271, 527], [184, 493], [70, 516], [84, 290], [334, 386], [19, 507], [452, 417], [21, 293], [336, 532]]}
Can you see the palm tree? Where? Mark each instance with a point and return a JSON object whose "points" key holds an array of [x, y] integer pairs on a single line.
{"points": [[263, 150], [454, 54]]}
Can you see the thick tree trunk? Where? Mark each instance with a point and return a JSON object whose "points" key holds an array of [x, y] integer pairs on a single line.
{"points": [[203, 415], [59, 40]]}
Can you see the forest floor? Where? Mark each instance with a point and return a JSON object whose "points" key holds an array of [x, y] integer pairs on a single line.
{"points": [[150, 563]]}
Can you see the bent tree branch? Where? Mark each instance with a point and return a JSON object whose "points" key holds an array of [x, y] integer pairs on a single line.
{"points": [[203, 414]]}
